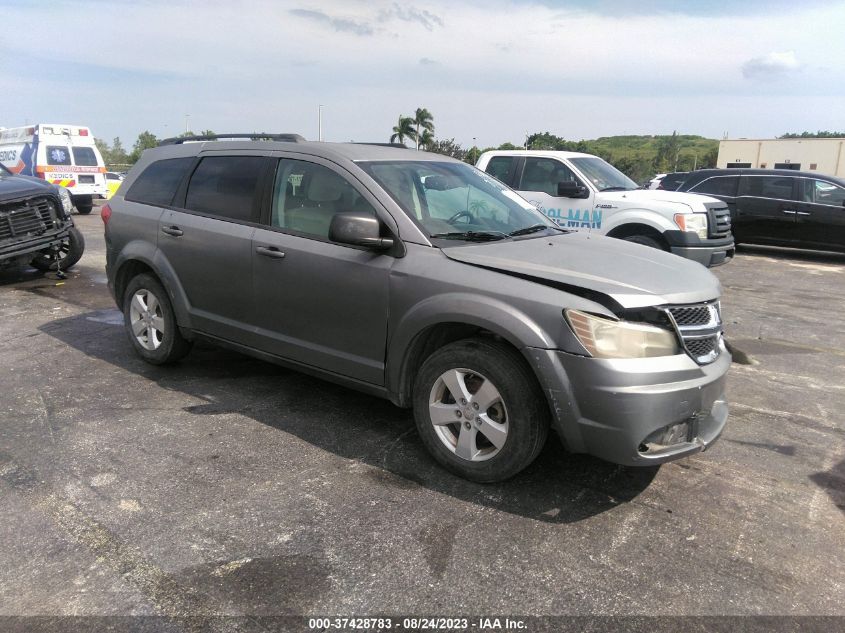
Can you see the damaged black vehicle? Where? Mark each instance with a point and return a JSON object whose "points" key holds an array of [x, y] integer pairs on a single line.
{"points": [[35, 224]]}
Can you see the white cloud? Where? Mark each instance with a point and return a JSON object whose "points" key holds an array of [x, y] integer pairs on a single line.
{"points": [[772, 66]]}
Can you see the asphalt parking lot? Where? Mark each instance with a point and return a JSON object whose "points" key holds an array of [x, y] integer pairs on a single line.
{"points": [[229, 486]]}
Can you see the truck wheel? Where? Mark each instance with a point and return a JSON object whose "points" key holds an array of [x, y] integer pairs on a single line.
{"points": [[151, 323], [645, 240], [479, 410], [84, 209], [70, 251]]}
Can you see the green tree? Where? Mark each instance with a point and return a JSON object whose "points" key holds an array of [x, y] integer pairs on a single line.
{"points": [[448, 148], [146, 140], [118, 155], [423, 120], [403, 129], [425, 139], [668, 152]]}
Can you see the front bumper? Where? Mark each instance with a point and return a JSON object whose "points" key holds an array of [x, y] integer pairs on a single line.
{"points": [[614, 409], [33, 245], [709, 253]]}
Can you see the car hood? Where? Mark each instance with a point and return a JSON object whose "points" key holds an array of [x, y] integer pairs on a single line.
{"points": [[634, 276], [14, 187], [642, 196]]}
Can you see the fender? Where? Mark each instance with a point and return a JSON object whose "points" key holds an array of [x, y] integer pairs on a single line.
{"points": [[488, 313], [659, 222], [149, 254]]}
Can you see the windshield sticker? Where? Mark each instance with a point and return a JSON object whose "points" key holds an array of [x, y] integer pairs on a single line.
{"points": [[576, 218]]}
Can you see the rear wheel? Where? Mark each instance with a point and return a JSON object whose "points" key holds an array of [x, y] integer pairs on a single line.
{"points": [[69, 252], [151, 323], [479, 410], [84, 209]]}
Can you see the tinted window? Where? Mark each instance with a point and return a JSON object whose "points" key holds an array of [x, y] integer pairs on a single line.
{"points": [[718, 186], [821, 192], [58, 155], [225, 186], [307, 196], [84, 156], [157, 184], [543, 174], [779, 187], [499, 167]]}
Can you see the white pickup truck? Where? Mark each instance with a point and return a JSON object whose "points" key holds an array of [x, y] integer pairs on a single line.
{"points": [[584, 192]]}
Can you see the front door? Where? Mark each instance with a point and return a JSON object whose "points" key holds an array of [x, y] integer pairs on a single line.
{"points": [[766, 210], [538, 185], [318, 302]]}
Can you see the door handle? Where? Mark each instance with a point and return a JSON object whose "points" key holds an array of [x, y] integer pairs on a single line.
{"points": [[802, 213], [789, 211], [175, 231], [269, 251]]}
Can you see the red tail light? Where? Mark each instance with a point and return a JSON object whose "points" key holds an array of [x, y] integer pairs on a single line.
{"points": [[105, 213]]}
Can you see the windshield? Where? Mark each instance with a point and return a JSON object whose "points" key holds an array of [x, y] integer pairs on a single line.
{"points": [[457, 201], [603, 175]]}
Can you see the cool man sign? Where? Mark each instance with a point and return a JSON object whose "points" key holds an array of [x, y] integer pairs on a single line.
{"points": [[576, 218]]}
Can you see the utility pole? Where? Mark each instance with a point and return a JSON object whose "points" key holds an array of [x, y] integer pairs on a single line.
{"points": [[319, 122], [187, 116]]}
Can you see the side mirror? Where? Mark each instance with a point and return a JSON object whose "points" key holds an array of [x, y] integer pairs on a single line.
{"points": [[571, 189], [358, 230]]}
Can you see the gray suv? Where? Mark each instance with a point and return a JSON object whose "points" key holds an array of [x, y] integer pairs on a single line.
{"points": [[420, 279]]}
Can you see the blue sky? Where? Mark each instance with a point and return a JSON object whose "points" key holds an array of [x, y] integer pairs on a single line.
{"points": [[489, 71]]}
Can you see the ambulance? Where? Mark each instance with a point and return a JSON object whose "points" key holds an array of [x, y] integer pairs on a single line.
{"points": [[61, 154]]}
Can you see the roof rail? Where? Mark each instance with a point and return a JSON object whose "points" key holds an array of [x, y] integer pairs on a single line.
{"points": [[400, 145], [253, 136]]}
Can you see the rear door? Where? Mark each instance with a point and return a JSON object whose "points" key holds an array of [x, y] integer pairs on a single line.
{"points": [[318, 302], [207, 240], [821, 214], [766, 209]]}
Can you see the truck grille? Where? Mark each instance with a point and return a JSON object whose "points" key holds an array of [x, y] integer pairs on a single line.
{"points": [[720, 222], [28, 218], [700, 329]]}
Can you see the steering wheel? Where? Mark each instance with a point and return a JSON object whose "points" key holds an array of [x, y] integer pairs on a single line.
{"points": [[461, 214]]}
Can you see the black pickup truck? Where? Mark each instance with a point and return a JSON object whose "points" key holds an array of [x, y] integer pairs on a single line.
{"points": [[35, 224]]}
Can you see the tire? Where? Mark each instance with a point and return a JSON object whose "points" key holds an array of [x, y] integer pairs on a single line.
{"points": [[84, 209], [645, 240], [70, 251], [147, 307], [516, 417]]}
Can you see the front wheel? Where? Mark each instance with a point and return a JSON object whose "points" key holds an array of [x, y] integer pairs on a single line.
{"points": [[69, 252], [479, 410], [645, 240], [151, 323]]}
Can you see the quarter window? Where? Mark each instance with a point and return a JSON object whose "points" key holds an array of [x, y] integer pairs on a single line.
{"points": [[778, 187], [544, 174], [821, 192], [307, 196], [225, 186], [157, 184]]}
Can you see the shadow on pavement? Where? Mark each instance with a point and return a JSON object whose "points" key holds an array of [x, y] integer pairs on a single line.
{"points": [[558, 488], [793, 254]]}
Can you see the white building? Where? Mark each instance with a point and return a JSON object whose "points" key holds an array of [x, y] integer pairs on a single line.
{"points": [[822, 155]]}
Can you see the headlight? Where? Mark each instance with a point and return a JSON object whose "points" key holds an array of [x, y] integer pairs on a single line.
{"points": [[67, 203], [692, 222], [605, 338]]}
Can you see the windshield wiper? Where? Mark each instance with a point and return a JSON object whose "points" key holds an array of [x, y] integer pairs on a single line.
{"points": [[472, 236], [534, 228], [616, 189]]}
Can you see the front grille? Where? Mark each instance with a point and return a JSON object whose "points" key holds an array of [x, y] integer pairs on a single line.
{"points": [[28, 218], [720, 222], [700, 329]]}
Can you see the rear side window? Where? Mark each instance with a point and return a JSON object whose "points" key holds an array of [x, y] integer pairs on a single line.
{"points": [[778, 187], [718, 186], [58, 155], [157, 184], [84, 156], [500, 168], [225, 186]]}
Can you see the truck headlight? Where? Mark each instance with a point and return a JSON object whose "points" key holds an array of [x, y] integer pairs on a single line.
{"points": [[67, 203], [606, 338], [692, 222]]}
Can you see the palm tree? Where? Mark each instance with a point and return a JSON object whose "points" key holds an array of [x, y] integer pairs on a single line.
{"points": [[402, 130], [425, 139], [424, 120]]}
